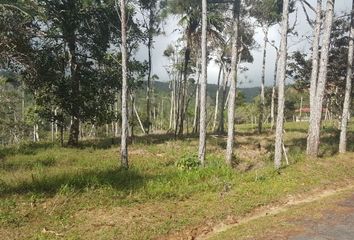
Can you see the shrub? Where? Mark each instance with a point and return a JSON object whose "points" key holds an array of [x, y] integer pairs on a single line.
{"points": [[188, 162]]}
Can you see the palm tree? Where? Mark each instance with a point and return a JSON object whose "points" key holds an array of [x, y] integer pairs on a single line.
{"points": [[190, 13]]}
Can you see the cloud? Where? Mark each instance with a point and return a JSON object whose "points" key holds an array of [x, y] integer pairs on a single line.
{"points": [[253, 75]]}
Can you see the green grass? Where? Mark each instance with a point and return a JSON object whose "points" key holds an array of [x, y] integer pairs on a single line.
{"points": [[83, 194]]}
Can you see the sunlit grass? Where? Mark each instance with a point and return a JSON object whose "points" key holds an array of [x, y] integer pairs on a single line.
{"points": [[83, 194]]}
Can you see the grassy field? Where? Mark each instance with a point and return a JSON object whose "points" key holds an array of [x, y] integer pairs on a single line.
{"points": [[48, 192]]}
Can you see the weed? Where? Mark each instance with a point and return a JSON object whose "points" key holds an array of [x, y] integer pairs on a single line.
{"points": [[188, 162]]}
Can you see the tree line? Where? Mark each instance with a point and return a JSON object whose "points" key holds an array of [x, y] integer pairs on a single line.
{"points": [[74, 62]]}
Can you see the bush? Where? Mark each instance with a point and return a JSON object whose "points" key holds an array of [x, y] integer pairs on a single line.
{"points": [[188, 162]]}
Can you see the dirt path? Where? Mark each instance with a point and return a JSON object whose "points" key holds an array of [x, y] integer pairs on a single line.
{"points": [[336, 224], [342, 231]]}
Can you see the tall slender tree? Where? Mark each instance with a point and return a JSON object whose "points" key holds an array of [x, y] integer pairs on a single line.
{"points": [[272, 104], [124, 135], [152, 20], [281, 75], [267, 13], [203, 86], [313, 140], [348, 88], [315, 52], [232, 100]]}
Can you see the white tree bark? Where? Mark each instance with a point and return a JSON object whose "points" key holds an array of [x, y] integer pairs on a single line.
{"points": [[197, 99], [137, 114], [348, 89], [171, 103], [225, 74], [315, 52], [313, 140], [272, 106], [124, 134], [203, 87], [281, 76], [216, 111], [262, 103], [196, 107], [232, 100]]}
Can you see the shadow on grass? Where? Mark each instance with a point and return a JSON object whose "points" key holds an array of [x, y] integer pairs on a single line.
{"points": [[31, 148], [328, 143], [25, 148], [151, 139], [119, 179]]}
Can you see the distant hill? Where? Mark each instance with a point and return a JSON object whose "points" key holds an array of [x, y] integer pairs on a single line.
{"points": [[249, 93]]}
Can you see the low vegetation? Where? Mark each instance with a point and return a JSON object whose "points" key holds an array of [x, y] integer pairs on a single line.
{"points": [[49, 192]]}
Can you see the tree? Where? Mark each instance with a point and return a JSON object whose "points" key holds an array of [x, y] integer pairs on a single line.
{"points": [[190, 18], [245, 44], [313, 139], [300, 68], [315, 53], [231, 106], [152, 20], [272, 105], [203, 86], [348, 88], [281, 75], [124, 135], [267, 13]]}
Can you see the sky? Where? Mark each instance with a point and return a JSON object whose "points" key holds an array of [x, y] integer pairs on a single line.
{"points": [[252, 77]]}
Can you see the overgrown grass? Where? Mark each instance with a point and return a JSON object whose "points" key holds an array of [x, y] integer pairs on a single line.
{"points": [[83, 194]]}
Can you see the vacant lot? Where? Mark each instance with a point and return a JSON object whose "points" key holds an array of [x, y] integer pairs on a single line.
{"points": [[48, 192]]}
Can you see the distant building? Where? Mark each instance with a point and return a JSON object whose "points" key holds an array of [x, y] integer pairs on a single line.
{"points": [[303, 114]]}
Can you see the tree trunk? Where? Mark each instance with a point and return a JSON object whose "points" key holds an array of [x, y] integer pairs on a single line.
{"points": [[124, 135], [313, 140], [272, 106], [184, 84], [203, 87], [179, 97], [262, 103], [176, 101], [137, 114], [62, 134], [196, 107], [221, 129], [116, 123], [131, 118], [162, 114], [52, 127], [217, 99], [281, 75], [301, 103], [171, 104], [148, 87], [56, 123], [23, 101], [348, 89], [272, 109], [75, 88], [315, 53], [231, 106]]}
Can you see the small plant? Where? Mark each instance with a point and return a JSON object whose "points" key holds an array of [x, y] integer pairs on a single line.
{"points": [[188, 162]]}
